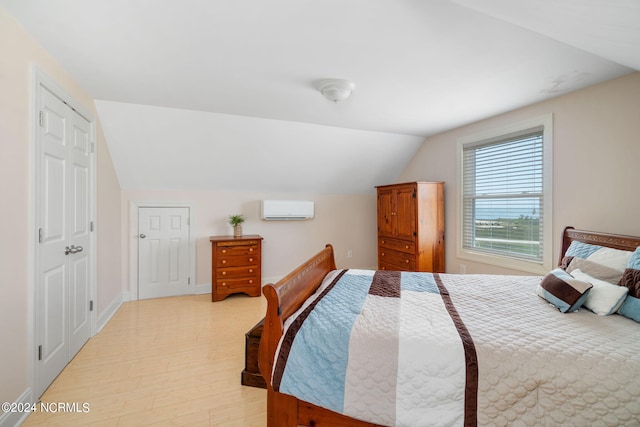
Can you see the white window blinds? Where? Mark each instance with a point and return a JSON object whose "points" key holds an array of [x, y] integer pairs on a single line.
{"points": [[503, 195]]}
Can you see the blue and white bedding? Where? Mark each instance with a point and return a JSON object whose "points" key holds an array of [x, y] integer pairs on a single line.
{"points": [[422, 349]]}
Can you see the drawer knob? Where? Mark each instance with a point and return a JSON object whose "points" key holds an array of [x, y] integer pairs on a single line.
{"points": [[224, 251], [251, 270], [382, 254], [224, 283], [406, 246], [384, 268], [250, 259], [383, 242], [224, 261], [250, 281], [224, 273], [250, 249], [406, 261]]}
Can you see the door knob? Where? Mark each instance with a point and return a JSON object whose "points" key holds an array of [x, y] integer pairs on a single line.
{"points": [[142, 236], [73, 249]]}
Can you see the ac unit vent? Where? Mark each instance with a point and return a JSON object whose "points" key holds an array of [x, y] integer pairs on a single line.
{"points": [[287, 210]]}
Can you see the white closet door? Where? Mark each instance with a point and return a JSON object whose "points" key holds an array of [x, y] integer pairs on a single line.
{"points": [[63, 276]]}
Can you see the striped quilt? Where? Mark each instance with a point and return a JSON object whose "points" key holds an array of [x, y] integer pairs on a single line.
{"points": [[367, 343], [422, 349]]}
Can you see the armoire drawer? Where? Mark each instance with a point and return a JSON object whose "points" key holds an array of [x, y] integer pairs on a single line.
{"points": [[402, 260], [398, 245], [391, 267]]}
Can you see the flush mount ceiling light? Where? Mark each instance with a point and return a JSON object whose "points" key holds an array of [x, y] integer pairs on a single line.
{"points": [[335, 90]]}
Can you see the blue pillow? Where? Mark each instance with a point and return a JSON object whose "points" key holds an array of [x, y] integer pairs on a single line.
{"points": [[631, 279], [581, 250], [563, 291]]}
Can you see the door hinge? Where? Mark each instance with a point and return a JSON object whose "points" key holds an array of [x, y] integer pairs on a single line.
{"points": [[188, 280], [413, 195], [40, 233], [90, 305], [39, 352], [41, 118], [91, 226]]}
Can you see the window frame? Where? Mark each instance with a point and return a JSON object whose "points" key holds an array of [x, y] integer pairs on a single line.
{"points": [[514, 263]]}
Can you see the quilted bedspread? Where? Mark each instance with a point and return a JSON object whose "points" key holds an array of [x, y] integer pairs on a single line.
{"points": [[422, 349]]}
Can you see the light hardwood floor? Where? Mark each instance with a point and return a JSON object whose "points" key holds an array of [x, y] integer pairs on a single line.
{"points": [[169, 361]]}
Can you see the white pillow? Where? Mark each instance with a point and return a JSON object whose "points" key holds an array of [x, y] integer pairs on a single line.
{"points": [[612, 258], [604, 298]]}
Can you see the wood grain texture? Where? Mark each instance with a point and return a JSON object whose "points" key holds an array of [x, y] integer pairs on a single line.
{"points": [[411, 227], [236, 266], [167, 361], [616, 241]]}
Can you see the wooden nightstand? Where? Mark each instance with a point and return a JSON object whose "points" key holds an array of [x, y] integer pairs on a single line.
{"points": [[235, 266]]}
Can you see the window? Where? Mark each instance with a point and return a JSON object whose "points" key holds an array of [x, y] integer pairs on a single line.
{"points": [[505, 205]]}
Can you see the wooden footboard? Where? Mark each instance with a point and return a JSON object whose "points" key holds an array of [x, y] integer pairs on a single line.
{"points": [[283, 299]]}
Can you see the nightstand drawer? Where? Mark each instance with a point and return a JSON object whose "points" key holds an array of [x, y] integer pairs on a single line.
{"points": [[398, 245], [237, 260], [233, 284], [242, 271], [235, 250]]}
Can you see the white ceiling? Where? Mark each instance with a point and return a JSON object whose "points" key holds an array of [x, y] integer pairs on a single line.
{"points": [[235, 153], [420, 67]]}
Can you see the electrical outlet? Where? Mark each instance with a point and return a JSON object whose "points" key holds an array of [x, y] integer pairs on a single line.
{"points": [[349, 253]]}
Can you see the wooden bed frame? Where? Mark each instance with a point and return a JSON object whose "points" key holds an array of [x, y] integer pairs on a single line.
{"points": [[286, 296]]}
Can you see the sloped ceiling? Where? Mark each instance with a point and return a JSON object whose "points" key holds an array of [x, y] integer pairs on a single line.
{"points": [[235, 79], [181, 149]]}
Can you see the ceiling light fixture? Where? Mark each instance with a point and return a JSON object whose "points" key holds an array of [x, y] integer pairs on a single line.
{"points": [[335, 90]]}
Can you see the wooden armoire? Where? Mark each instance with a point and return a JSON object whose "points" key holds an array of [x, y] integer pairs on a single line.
{"points": [[411, 227]]}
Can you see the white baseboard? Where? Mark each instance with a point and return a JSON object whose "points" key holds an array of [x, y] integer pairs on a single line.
{"points": [[204, 288], [274, 279], [108, 312], [14, 419]]}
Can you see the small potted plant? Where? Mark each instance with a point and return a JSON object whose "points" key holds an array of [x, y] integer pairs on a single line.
{"points": [[236, 222]]}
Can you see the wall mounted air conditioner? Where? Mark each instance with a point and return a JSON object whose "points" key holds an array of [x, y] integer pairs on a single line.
{"points": [[286, 210]]}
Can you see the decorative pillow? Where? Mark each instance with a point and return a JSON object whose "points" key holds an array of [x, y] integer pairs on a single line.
{"points": [[599, 271], [604, 298], [563, 291], [609, 257], [631, 280]]}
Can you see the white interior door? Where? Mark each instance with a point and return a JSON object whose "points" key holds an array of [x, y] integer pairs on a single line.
{"points": [[163, 252], [63, 210]]}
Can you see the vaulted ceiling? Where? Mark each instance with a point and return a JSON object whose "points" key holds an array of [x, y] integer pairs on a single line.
{"points": [[189, 92]]}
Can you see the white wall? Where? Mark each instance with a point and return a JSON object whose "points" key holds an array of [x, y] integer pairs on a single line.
{"points": [[348, 222], [596, 154], [19, 51]]}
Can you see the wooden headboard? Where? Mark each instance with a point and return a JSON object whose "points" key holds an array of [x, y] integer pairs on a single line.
{"points": [[616, 241]]}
